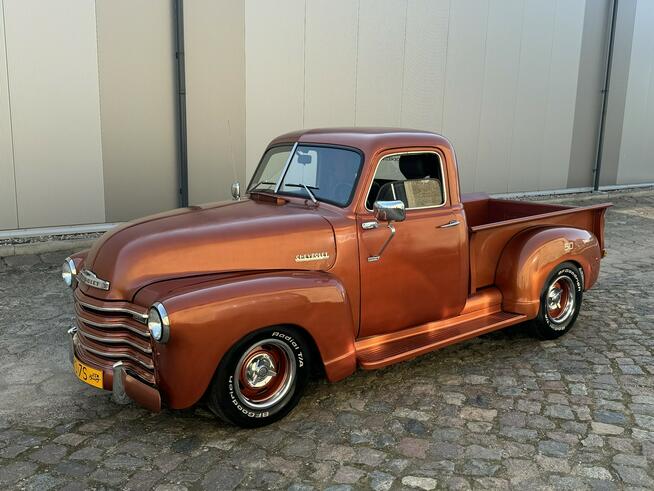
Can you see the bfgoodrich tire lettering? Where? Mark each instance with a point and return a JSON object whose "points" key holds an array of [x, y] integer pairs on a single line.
{"points": [[261, 378], [560, 301]]}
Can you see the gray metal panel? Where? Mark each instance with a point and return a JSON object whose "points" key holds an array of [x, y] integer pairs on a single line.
{"points": [[425, 56], [215, 97], [615, 106], [464, 81], [530, 114], [274, 64], [589, 96], [380, 62], [8, 213], [330, 63], [554, 151], [53, 80], [501, 71], [637, 147], [137, 104]]}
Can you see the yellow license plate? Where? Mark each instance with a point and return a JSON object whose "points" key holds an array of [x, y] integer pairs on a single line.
{"points": [[87, 374]]}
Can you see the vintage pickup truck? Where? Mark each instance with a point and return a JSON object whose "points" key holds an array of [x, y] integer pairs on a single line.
{"points": [[353, 248]]}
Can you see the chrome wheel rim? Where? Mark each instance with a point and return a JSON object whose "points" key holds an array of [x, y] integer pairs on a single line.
{"points": [[265, 374], [560, 300]]}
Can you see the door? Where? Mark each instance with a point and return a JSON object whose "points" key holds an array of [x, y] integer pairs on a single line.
{"points": [[421, 275]]}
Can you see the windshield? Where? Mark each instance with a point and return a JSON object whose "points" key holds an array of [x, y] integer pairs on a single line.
{"points": [[325, 173]]}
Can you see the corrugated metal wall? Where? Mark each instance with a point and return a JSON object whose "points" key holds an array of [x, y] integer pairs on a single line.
{"points": [[88, 115]]}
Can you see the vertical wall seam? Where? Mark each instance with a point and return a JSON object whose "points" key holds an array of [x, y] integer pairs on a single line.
{"points": [[481, 101], [515, 104], [11, 122], [304, 67], [406, 15], [97, 61], [356, 61], [447, 49], [245, 93]]}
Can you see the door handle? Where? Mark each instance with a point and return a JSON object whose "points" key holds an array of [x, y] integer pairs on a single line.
{"points": [[451, 223], [369, 225]]}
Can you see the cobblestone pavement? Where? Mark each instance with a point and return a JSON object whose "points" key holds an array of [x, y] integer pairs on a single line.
{"points": [[502, 411]]}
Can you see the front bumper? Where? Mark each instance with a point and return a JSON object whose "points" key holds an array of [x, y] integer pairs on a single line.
{"points": [[123, 386]]}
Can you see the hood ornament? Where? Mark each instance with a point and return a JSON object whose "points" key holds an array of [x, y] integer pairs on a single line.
{"points": [[90, 279]]}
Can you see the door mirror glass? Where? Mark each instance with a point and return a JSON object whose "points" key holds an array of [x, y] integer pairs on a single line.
{"points": [[236, 190], [389, 211]]}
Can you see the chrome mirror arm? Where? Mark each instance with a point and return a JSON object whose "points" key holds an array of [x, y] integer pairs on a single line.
{"points": [[377, 257]]}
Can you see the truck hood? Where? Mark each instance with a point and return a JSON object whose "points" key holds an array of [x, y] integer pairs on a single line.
{"points": [[220, 237]]}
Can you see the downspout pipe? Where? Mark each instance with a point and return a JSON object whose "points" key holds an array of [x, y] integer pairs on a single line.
{"points": [[181, 102], [605, 95]]}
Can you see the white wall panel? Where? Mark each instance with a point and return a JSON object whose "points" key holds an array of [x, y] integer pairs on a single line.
{"points": [[530, 112], [425, 57], [637, 147], [214, 35], [561, 94], [330, 57], [53, 79], [380, 62], [8, 217], [501, 69], [274, 67], [464, 82]]}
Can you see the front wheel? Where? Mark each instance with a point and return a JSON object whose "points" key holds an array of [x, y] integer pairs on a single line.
{"points": [[560, 301], [261, 378]]}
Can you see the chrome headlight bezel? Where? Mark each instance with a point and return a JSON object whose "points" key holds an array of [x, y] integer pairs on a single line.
{"points": [[158, 323], [69, 272]]}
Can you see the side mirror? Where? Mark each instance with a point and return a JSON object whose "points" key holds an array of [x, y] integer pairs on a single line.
{"points": [[389, 211], [236, 190]]}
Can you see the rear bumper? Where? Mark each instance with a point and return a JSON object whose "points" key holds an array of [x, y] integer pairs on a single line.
{"points": [[124, 387]]}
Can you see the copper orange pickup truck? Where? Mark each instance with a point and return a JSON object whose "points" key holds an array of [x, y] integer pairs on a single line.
{"points": [[350, 248]]}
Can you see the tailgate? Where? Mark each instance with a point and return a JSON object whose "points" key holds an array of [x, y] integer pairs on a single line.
{"points": [[487, 241]]}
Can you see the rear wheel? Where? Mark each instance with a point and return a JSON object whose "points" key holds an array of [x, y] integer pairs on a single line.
{"points": [[261, 378], [560, 301]]}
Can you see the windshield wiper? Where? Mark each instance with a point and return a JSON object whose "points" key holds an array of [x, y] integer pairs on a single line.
{"points": [[260, 183], [306, 188]]}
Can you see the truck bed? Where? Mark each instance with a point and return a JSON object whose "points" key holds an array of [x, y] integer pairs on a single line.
{"points": [[493, 222]]}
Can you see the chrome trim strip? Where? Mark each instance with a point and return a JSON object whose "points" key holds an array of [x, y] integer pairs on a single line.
{"points": [[103, 325], [285, 169], [118, 356], [100, 339], [113, 309], [451, 223], [443, 183]]}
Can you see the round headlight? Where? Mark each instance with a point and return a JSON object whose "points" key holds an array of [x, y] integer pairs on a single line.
{"points": [[68, 271], [158, 323]]}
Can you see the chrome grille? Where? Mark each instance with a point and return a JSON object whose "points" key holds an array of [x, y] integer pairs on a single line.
{"points": [[111, 332]]}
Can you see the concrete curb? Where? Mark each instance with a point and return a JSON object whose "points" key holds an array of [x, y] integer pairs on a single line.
{"points": [[44, 246]]}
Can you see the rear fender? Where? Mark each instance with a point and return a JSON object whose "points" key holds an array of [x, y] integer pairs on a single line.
{"points": [[207, 320], [530, 257]]}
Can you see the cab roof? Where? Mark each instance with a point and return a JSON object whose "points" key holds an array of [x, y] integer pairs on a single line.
{"points": [[366, 139]]}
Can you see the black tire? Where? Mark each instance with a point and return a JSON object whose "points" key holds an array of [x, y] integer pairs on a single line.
{"points": [[560, 301], [243, 391]]}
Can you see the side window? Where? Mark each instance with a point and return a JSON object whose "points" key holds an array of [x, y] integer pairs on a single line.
{"points": [[414, 178]]}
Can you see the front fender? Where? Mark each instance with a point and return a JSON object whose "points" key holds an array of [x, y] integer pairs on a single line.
{"points": [[207, 319], [531, 256]]}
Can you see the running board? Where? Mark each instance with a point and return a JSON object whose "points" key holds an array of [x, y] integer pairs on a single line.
{"points": [[380, 351]]}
